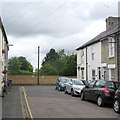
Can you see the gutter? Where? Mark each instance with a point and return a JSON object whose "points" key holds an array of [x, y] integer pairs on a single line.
{"points": [[86, 66], [117, 36]]}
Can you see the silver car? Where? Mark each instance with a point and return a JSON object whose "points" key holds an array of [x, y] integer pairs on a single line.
{"points": [[74, 87]]}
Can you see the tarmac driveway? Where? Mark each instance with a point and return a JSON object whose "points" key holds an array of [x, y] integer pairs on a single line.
{"points": [[46, 102]]}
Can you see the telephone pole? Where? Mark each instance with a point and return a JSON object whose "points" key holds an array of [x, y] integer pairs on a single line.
{"points": [[38, 63]]}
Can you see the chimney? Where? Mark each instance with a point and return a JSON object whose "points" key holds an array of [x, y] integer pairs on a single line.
{"points": [[112, 22]]}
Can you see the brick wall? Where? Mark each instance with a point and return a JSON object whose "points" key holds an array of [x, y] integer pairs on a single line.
{"points": [[30, 80]]}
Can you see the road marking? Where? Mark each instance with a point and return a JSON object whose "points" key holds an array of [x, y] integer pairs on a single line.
{"points": [[27, 103], [20, 89]]}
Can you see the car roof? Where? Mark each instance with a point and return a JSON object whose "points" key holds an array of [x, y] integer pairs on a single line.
{"points": [[107, 81]]}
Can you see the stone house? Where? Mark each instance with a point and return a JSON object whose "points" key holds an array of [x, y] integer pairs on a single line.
{"points": [[99, 58], [3, 54]]}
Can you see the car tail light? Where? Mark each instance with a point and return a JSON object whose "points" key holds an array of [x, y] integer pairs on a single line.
{"points": [[105, 90]]}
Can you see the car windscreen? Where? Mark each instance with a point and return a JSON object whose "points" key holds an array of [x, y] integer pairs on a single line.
{"points": [[117, 85], [113, 85], [85, 82], [64, 80], [78, 82]]}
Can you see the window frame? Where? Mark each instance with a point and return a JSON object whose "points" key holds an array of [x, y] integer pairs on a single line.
{"points": [[82, 56], [92, 52], [111, 47]]}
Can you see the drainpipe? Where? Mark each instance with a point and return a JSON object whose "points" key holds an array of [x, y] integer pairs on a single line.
{"points": [[117, 39], [86, 66]]}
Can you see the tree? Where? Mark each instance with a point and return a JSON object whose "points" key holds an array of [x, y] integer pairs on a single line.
{"points": [[58, 63], [14, 65], [51, 56], [61, 53], [70, 66], [25, 65], [47, 69]]}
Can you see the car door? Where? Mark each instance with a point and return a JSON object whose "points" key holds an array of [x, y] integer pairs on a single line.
{"points": [[70, 86], [95, 90], [87, 91]]}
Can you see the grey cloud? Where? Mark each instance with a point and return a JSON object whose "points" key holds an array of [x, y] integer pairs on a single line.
{"points": [[102, 10], [43, 19]]}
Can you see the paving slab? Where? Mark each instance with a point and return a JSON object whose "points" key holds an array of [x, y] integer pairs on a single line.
{"points": [[11, 104]]}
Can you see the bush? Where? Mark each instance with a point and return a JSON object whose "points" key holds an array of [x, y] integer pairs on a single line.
{"points": [[23, 72]]}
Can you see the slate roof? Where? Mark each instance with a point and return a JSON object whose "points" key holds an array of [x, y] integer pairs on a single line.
{"points": [[3, 30], [102, 35]]}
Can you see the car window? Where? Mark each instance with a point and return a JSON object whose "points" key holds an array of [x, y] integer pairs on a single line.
{"points": [[91, 84], [119, 88], [85, 82], [78, 82], [67, 79], [111, 85], [117, 85], [98, 84]]}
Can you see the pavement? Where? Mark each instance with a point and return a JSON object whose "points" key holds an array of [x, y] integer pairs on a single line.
{"points": [[11, 104]]}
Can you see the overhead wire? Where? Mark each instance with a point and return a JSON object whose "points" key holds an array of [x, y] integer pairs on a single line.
{"points": [[43, 20]]}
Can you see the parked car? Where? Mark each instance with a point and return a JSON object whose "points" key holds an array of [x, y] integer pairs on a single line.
{"points": [[117, 101], [100, 91], [61, 83], [74, 87]]}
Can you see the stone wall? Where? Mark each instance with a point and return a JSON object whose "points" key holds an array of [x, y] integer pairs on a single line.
{"points": [[33, 80]]}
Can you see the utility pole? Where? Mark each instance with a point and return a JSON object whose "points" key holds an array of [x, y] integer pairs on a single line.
{"points": [[38, 64]]}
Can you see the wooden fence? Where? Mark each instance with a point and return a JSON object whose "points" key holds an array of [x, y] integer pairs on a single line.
{"points": [[33, 80]]}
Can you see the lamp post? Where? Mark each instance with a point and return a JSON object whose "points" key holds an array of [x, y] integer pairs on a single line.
{"points": [[38, 64]]}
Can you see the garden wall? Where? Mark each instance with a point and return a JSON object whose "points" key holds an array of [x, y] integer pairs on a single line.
{"points": [[33, 80]]}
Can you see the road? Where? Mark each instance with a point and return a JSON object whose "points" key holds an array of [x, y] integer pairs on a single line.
{"points": [[46, 102]]}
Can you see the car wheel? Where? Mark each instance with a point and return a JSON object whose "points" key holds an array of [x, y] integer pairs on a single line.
{"points": [[72, 92], [82, 96], [100, 101], [117, 106], [56, 87], [59, 88], [66, 91]]}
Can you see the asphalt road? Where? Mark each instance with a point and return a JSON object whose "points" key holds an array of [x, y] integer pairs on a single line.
{"points": [[46, 102]]}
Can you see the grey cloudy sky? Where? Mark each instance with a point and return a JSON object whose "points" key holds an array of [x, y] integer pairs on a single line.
{"points": [[58, 24]]}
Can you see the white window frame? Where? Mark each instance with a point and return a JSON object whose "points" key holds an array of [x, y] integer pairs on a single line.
{"points": [[110, 74], [82, 56], [111, 47], [92, 52]]}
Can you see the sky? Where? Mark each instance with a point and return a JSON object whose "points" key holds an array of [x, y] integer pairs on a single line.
{"points": [[58, 24]]}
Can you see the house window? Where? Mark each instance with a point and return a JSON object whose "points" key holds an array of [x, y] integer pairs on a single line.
{"points": [[112, 74], [111, 47], [82, 73], [93, 74], [99, 73], [92, 52], [82, 56]]}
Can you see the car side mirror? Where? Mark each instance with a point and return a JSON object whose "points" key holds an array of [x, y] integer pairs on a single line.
{"points": [[86, 86], [70, 83]]}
